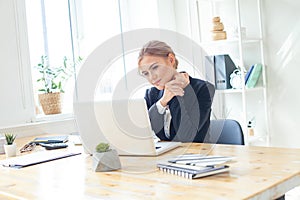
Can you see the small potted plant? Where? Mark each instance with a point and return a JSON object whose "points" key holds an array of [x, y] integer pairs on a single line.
{"points": [[105, 159], [52, 81], [10, 147]]}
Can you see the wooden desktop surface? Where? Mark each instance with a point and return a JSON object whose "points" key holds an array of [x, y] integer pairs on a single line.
{"points": [[258, 173]]}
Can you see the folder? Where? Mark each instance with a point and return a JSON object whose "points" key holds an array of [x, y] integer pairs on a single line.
{"points": [[51, 139], [218, 69], [36, 158]]}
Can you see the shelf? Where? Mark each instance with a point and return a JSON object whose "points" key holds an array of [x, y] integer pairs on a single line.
{"points": [[234, 91], [229, 91], [245, 46], [251, 40], [229, 42], [256, 89], [219, 42], [257, 140], [226, 1]]}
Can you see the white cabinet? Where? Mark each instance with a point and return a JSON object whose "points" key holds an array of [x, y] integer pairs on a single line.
{"points": [[244, 44]]}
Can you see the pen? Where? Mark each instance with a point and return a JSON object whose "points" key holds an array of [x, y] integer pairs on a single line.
{"points": [[204, 159], [198, 156], [202, 164], [205, 164]]}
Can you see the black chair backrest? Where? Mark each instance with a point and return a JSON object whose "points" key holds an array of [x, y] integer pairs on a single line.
{"points": [[225, 131]]}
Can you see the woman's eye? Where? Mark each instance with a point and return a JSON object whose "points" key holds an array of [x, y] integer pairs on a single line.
{"points": [[145, 73], [154, 67]]}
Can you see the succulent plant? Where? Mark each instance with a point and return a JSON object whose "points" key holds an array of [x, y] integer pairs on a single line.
{"points": [[10, 138], [102, 147]]}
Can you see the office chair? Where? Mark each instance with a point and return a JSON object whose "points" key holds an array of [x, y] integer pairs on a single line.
{"points": [[225, 131]]}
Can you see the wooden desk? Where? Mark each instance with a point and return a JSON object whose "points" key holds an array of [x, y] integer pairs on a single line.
{"points": [[259, 173]]}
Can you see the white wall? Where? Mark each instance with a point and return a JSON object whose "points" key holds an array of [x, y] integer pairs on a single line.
{"points": [[282, 36]]}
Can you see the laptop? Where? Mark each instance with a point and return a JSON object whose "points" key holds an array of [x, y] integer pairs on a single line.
{"points": [[124, 124]]}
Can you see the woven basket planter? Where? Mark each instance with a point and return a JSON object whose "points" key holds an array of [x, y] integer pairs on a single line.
{"points": [[51, 103]]}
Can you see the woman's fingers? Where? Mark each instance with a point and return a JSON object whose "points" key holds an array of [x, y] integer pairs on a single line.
{"points": [[175, 88], [181, 79]]}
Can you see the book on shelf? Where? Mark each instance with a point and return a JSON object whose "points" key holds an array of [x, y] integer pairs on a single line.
{"points": [[194, 166], [253, 75], [248, 73]]}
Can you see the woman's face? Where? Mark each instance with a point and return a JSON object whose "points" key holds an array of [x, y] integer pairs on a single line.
{"points": [[158, 70]]}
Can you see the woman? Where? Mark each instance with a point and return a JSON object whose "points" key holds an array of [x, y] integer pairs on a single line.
{"points": [[179, 105]]}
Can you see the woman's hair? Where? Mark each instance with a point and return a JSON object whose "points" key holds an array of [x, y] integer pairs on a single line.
{"points": [[156, 48]]}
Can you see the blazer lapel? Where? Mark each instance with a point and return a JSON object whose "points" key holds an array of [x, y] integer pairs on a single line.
{"points": [[160, 94]]}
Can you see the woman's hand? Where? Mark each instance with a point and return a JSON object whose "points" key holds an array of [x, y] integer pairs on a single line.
{"points": [[175, 87], [183, 79]]}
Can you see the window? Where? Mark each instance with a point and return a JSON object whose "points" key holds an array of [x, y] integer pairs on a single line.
{"points": [[50, 34], [73, 28]]}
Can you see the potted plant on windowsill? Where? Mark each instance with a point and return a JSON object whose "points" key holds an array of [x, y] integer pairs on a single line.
{"points": [[10, 147], [105, 159], [53, 80]]}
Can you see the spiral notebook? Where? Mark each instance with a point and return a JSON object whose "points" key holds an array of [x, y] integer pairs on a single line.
{"points": [[190, 171], [194, 166]]}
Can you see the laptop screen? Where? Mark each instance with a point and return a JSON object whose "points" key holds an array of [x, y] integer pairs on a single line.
{"points": [[124, 124]]}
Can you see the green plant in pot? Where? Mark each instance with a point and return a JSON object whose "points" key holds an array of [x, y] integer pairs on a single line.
{"points": [[105, 158], [10, 147], [102, 147], [52, 81]]}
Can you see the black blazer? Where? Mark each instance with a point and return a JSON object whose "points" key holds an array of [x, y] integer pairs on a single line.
{"points": [[190, 113]]}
